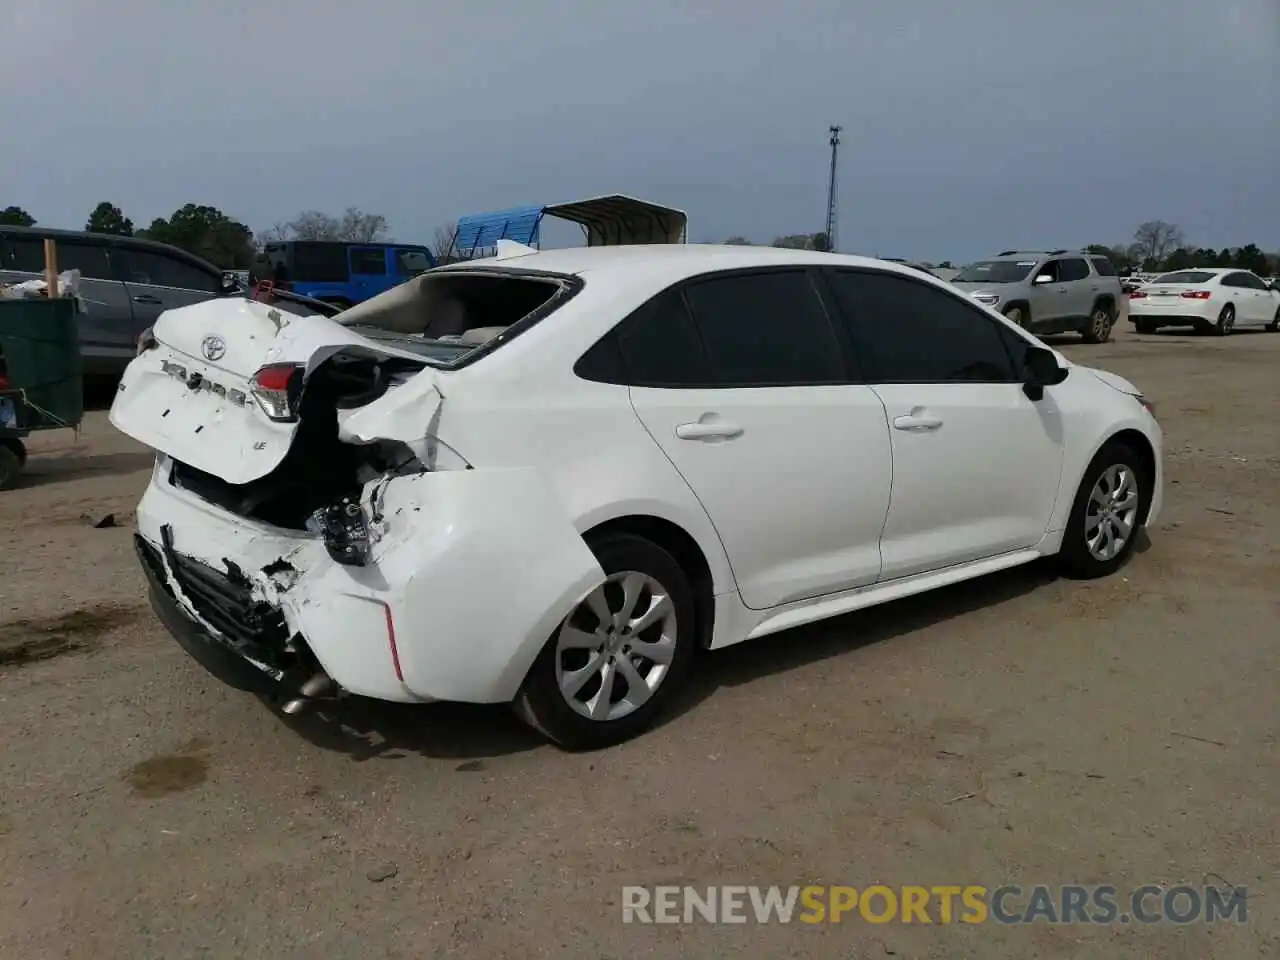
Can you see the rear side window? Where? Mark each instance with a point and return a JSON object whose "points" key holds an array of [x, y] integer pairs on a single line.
{"points": [[766, 329], [313, 262], [1072, 270], [159, 269], [411, 262], [1103, 266], [368, 261], [912, 332], [660, 346]]}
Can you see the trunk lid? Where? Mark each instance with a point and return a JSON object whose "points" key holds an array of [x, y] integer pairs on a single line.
{"points": [[191, 395]]}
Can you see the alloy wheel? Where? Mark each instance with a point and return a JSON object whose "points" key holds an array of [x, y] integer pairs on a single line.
{"points": [[616, 647], [1112, 512]]}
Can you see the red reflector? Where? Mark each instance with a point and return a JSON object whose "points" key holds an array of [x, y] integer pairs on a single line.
{"points": [[391, 639], [1196, 295], [275, 376]]}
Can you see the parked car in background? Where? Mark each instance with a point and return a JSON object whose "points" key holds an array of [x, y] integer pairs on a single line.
{"points": [[1055, 292], [549, 478], [1212, 300], [339, 272], [912, 264], [125, 282]]}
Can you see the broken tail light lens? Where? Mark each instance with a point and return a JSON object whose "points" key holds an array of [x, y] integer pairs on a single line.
{"points": [[346, 535], [277, 388], [147, 341]]}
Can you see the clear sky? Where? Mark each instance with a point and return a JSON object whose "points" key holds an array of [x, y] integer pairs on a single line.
{"points": [[969, 126]]}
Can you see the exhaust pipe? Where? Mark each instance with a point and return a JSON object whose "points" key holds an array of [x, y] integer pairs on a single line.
{"points": [[317, 686]]}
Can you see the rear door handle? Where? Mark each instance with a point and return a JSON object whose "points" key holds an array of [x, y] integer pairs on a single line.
{"points": [[146, 298], [917, 424], [708, 431]]}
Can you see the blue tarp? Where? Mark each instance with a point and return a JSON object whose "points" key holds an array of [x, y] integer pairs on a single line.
{"points": [[484, 230]]}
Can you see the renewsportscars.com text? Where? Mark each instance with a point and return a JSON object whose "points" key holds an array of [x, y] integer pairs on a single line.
{"points": [[971, 904]]}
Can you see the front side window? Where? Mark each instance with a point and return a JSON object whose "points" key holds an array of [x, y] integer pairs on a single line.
{"points": [[162, 270], [911, 332], [765, 329], [995, 271], [410, 262], [1072, 270], [89, 258]]}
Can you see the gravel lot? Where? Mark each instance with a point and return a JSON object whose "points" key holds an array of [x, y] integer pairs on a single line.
{"points": [[1020, 729]]}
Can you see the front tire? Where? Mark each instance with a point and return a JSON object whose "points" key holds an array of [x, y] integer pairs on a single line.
{"points": [[1018, 316], [1226, 321], [1145, 326], [1274, 325], [12, 457], [621, 655], [1100, 323], [1107, 514]]}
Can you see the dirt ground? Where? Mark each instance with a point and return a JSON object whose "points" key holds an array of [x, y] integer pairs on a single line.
{"points": [[1020, 729]]}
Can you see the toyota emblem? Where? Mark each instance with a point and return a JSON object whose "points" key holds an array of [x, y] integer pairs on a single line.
{"points": [[213, 347]]}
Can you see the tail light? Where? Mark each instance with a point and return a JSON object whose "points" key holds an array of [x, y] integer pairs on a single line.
{"points": [[1136, 294], [147, 341], [277, 388], [4, 381], [1196, 295]]}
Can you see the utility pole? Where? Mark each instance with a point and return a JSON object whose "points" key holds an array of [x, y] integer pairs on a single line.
{"points": [[831, 190]]}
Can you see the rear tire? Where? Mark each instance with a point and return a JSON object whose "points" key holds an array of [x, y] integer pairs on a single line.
{"points": [[1226, 321], [1274, 325], [561, 696], [12, 456], [1144, 326], [1100, 323], [1110, 507]]}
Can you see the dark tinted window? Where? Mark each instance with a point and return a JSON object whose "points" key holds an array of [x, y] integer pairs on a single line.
{"points": [[367, 260], [1232, 280], [89, 258], [660, 347], [1073, 269], [1251, 281], [311, 262], [1103, 266], [1184, 276], [410, 261], [25, 254], [159, 269], [995, 271], [913, 333], [766, 329], [1052, 270]]}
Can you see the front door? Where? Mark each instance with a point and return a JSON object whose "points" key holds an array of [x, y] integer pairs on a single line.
{"points": [[976, 464], [1047, 296], [742, 381], [158, 281], [1079, 292], [369, 275]]}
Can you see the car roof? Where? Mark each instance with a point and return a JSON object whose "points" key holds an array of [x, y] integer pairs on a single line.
{"points": [[40, 232], [1214, 270], [667, 261]]}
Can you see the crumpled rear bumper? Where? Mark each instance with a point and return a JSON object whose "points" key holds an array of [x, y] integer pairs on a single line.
{"points": [[471, 572]]}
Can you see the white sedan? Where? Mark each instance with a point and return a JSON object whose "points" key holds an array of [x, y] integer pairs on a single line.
{"points": [[1210, 299], [550, 478]]}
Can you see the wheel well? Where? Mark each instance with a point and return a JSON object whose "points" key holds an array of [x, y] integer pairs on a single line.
{"points": [[686, 552], [1023, 305], [1136, 441], [1107, 300], [17, 446]]}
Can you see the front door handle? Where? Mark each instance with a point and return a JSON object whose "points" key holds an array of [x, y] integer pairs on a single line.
{"points": [[918, 424], [147, 298], [717, 430]]}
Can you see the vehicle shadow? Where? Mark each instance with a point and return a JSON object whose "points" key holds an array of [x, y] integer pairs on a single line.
{"points": [[370, 729], [44, 470]]}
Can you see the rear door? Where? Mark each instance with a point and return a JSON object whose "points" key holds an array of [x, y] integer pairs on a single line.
{"points": [[747, 386], [976, 464], [369, 273], [107, 320], [158, 281]]}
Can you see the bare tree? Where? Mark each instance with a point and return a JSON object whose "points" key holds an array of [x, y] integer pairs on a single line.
{"points": [[1155, 240], [354, 226], [442, 240]]}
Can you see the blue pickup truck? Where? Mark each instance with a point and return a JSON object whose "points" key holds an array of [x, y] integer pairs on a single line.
{"points": [[339, 272]]}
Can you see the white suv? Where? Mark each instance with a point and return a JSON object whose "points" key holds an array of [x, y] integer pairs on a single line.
{"points": [[549, 478]]}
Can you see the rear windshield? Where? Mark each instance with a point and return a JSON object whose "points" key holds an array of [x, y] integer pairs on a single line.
{"points": [[447, 316], [1184, 276], [995, 271], [303, 261]]}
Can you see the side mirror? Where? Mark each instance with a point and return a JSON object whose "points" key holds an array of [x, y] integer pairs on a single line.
{"points": [[1041, 370], [229, 282], [1043, 279]]}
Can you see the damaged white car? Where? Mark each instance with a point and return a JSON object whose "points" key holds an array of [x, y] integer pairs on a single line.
{"points": [[549, 478]]}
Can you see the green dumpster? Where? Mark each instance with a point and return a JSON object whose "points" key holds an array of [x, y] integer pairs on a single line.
{"points": [[40, 356]]}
